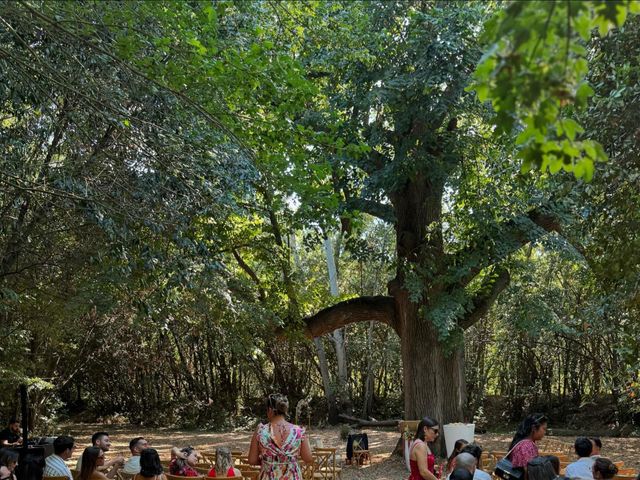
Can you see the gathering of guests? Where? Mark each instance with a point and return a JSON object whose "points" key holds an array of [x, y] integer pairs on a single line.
{"points": [[524, 455], [275, 448], [277, 445], [464, 463]]}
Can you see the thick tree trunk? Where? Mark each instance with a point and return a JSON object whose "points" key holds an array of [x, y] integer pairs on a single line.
{"points": [[433, 376], [433, 373]]}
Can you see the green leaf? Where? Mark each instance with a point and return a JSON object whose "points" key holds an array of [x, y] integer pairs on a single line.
{"points": [[588, 166], [583, 26], [583, 93], [571, 127]]}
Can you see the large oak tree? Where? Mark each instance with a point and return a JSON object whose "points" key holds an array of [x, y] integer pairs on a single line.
{"points": [[394, 76]]}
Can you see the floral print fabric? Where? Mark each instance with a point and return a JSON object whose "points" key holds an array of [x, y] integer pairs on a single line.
{"points": [[280, 462]]}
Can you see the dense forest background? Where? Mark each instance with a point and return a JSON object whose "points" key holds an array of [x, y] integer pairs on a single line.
{"points": [[183, 184]]}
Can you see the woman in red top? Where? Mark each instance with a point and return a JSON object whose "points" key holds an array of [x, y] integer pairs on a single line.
{"points": [[224, 464], [523, 446], [183, 464], [422, 461]]}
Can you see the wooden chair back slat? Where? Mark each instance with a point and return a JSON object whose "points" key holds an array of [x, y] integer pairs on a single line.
{"points": [[179, 477], [627, 472]]}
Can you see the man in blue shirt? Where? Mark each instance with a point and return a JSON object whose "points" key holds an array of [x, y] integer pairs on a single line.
{"points": [[55, 465]]}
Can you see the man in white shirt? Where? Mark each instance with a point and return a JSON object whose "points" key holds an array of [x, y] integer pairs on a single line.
{"points": [[55, 465], [581, 468], [136, 446], [476, 451]]}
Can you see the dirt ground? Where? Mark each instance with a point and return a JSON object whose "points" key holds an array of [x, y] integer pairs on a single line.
{"points": [[383, 466]]}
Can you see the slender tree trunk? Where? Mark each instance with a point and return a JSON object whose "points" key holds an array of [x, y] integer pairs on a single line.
{"points": [[367, 404], [338, 335], [326, 381]]}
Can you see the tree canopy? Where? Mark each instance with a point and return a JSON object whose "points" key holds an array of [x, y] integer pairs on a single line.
{"points": [[179, 180]]}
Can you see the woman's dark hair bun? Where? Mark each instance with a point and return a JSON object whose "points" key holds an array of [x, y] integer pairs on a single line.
{"points": [[278, 403]]}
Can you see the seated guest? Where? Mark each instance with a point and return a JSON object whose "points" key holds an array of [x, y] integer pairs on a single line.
{"points": [[555, 463], [596, 443], [466, 460], [102, 441], [10, 436], [150, 466], [92, 459], [461, 474], [540, 468], [183, 464], [224, 464], [55, 465], [457, 448], [8, 463], [581, 468], [524, 445], [31, 467], [603, 469], [136, 446], [475, 450]]}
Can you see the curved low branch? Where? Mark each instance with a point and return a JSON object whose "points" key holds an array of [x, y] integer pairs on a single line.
{"points": [[492, 286], [361, 309]]}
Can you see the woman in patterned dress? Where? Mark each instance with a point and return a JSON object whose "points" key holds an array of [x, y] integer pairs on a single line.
{"points": [[275, 445]]}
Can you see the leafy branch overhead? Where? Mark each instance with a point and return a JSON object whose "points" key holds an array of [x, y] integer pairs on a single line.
{"points": [[534, 75]]}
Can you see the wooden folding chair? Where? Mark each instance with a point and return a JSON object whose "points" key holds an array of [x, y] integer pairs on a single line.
{"points": [[179, 477], [627, 472], [336, 472], [487, 462], [209, 458], [202, 471], [64, 477], [307, 470], [321, 467], [250, 474], [360, 456], [624, 477]]}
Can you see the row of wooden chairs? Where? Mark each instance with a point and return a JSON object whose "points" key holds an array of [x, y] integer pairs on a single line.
{"points": [[324, 467]]}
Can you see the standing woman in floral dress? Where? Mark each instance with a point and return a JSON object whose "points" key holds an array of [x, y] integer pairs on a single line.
{"points": [[276, 445]]}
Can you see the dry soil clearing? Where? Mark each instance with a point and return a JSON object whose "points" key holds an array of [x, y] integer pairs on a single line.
{"points": [[384, 466]]}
